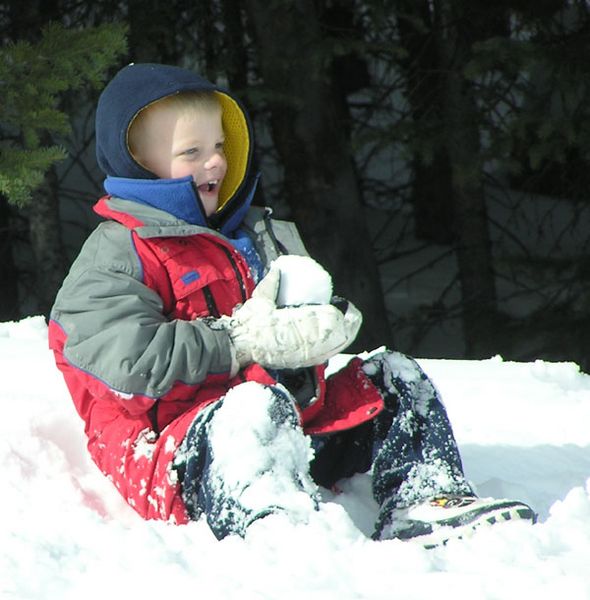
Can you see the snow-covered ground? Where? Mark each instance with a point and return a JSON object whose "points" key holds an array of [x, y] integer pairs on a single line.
{"points": [[524, 431]]}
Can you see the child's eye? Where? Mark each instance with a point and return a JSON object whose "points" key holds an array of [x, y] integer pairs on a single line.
{"points": [[191, 152], [220, 146]]}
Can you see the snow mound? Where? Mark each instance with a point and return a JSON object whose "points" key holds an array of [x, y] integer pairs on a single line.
{"points": [[65, 533]]}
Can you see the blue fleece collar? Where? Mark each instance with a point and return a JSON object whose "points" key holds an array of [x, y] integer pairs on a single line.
{"points": [[175, 196], [179, 197]]}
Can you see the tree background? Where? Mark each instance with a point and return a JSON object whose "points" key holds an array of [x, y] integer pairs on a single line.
{"points": [[434, 153]]}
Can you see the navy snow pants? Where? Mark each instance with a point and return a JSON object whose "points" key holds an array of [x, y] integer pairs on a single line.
{"points": [[409, 448]]}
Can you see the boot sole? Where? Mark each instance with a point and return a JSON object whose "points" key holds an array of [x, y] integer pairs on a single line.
{"points": [[433, 535]]}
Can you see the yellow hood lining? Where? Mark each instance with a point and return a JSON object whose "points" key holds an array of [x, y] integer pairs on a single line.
{"points": [[237, 147]]}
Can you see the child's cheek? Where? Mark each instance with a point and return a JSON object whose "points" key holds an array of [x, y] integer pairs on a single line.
{"points": [[184, 169]]}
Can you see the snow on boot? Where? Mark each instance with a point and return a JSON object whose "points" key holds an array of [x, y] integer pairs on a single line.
{"points": [[259, 460], [434, 522]]}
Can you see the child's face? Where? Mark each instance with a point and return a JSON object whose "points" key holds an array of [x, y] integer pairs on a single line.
{"points": [[177, 143]]}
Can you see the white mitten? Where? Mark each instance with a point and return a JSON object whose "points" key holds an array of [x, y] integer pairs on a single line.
{"points": [[290, 337]]}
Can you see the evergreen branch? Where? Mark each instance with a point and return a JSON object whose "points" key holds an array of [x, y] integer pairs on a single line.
{"points": [[21, 171], [33, 80]]}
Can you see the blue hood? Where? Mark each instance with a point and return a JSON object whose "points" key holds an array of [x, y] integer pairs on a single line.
{"points": [[133, 88]]}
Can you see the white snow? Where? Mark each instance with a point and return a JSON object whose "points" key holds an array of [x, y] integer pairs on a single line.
{"points": [[255, 458], [303, 281], [65, 534]]}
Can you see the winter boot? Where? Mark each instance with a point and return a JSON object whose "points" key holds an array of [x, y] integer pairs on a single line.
{"points": [[246, 457], [435, 521]]}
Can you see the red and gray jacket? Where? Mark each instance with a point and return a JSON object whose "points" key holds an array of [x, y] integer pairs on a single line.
{"points": [[130, 333]]}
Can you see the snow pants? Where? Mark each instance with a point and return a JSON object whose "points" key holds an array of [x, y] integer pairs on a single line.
{"points": [[246, 456]]}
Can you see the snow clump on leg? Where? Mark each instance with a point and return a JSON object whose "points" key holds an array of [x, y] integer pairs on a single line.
{"points": [[260, 454]]}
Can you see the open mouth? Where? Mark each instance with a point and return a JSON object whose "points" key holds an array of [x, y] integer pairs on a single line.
{"points": [[209, 186]]}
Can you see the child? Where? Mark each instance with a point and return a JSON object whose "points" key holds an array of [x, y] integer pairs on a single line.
{"points": [[201, 396]]}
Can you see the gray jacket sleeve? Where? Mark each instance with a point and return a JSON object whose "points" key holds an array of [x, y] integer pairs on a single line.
{"points": [[115, 326]]}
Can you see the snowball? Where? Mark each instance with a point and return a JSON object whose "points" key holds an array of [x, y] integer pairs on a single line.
{"points": [[303, 281]]}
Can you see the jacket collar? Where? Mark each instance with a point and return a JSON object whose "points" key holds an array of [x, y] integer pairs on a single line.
{"points": [[180, 199]]}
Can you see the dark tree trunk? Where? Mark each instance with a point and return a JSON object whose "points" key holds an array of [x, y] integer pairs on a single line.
{"points": [[474, 253], [235, 48], [449, 198], [425, 89], [308, 129], [46, 242], [153, 31], [432, 199], [9, 305]]}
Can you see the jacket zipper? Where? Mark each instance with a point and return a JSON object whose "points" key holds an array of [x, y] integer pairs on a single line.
{"points": [[239, 277], [210, 300], [152, 414]]}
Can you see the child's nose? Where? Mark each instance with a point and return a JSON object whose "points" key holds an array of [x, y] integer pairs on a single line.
{"points": [[215, 160]]}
